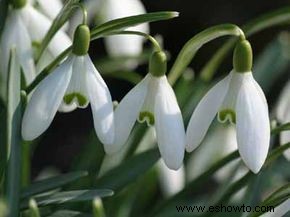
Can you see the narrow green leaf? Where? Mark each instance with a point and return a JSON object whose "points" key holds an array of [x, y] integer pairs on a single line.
{"points": [[128, 171], [275, 18], [280, 128], [58, 22], [51, 183], [189, 50], [3, 14], [275, 199], [13, 124], [69, 197], [126, 22]]}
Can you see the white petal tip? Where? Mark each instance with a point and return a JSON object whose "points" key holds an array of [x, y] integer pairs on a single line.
{"points": [[172, 165]]}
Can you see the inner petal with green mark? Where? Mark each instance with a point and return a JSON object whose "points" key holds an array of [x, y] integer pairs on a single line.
{"points": [[76, 92], [75, 98], [147, 117], [227, 115]]}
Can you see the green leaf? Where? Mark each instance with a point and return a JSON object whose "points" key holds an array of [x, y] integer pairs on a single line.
{"points": [[128, 171], [51, 183], [13, 136], [58, 22], [69, 197], [275, 18], [275, 199], [189, 50], [280, 128], [3, 14], [126, 22]]}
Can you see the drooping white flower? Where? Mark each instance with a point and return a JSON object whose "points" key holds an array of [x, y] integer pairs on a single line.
{"points": [[283, 116], [124, 45], [239, 99], [75, 83], [153, 101], [50, 9], [26, 26]]}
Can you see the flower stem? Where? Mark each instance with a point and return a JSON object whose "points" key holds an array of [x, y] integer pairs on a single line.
{"points": [[189, 50], [281, 16]]}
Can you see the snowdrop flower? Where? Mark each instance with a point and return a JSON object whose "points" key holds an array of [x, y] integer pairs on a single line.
{"points": [[153, 101], [50, 9], [283, 116], [238, 99], [124, 45], [26, 26], [75, 83]]}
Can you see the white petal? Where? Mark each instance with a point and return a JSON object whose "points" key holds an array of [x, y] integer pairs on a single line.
{"points": [[50, 9], [125, 45], [204, 113], [45, 101], [67, 108], [283, 106], [16, 35], [280, 210], [253, 125], [128, 111], [171, 181], [101, 104], [38, 26], [169, 126], [285, 138]]}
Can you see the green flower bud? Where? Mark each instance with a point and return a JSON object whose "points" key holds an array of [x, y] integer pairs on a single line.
{"points": [[81, 42], [243, 57], [17, 4], [158, 64]]}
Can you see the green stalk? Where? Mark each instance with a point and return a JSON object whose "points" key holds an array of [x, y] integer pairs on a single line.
{"points": [[189, 50], [13, 124], [278, 17]]}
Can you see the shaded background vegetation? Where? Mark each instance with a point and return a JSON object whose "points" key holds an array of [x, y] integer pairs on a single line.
{"points": [[65, 139]]}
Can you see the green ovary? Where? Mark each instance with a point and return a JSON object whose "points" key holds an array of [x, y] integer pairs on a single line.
{"points": [[69, 98], [148, 117], [227, 115]]}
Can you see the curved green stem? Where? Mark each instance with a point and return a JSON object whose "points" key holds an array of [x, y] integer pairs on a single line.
{"points": [[189, 50], [84, 12], [147, 36], [281, 16]]}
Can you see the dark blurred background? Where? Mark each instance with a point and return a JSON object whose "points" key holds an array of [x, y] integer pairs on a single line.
{"points": [[66, 137]]}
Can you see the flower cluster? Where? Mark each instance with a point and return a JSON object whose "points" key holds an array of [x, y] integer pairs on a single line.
{"points": [[76, 82]]}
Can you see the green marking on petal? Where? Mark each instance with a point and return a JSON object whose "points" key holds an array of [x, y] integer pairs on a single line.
{"points": [[227, 115], [69, 98], [148, 117]]}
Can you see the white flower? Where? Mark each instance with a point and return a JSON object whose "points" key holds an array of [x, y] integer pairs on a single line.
{"points": [[239, 99], [26, 26], [78, 82], [153, 101], [283, 116], [50, 9], [124, 45]]}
